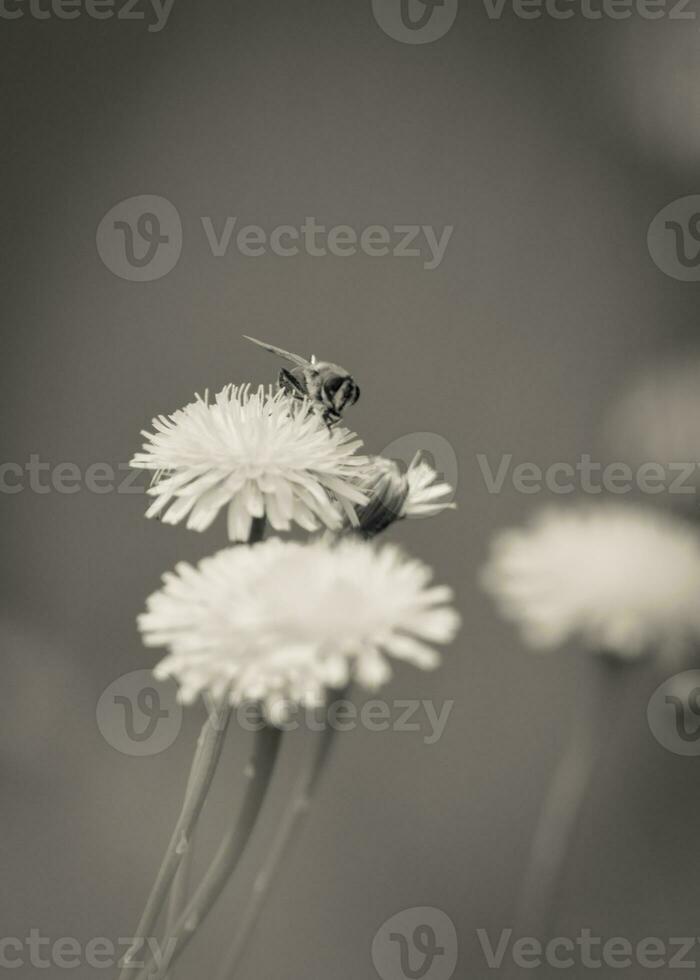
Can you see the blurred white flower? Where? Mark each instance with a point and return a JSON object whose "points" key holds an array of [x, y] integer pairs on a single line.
{"points": [[394, 495], [282, 620], [256, 453], [623, 580]]}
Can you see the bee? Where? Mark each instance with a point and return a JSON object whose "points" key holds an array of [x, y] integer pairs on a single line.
{"points": [[328, 386]]}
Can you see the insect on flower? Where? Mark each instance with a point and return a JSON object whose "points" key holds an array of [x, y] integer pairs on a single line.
{"points": [[328, 386]]}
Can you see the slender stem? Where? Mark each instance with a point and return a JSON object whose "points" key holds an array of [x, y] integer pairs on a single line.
{"points": [[564, 799], [555, 827], [180, 887], [258, 772], [178, 891], [178, 897], [204, 765], [310, 769]]}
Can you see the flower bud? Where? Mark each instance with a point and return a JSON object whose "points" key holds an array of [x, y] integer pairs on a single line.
{"points": [[387, 489]]}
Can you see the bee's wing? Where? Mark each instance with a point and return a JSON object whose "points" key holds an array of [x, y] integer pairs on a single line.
{"points": [[287, 355]]}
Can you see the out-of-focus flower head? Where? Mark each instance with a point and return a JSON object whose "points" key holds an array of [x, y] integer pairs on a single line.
{"points": [[282, 621], [257, 453], [621, 579], [394, 495]]}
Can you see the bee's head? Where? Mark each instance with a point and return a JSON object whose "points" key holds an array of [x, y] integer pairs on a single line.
{"points": [[339, 391]]}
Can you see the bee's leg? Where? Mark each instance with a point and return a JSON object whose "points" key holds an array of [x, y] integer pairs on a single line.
{"points": [[290, 384]]}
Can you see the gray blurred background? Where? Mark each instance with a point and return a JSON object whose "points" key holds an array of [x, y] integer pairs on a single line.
{"points": [[549, 146]]}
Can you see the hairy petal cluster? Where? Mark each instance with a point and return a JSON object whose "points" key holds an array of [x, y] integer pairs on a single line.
{"points": [[624, 580], [257, 454], [284, 621]]}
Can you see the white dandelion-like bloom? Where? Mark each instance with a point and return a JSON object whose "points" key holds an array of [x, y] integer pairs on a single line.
{"points": [[394, 495], [258, 453], [623, 580], [280, 621], [426, 492]]}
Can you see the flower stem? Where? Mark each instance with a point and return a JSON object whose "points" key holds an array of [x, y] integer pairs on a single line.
{"points": [[180, 886], [258, 772], [310, 768], [567, 791], [204, 765]]}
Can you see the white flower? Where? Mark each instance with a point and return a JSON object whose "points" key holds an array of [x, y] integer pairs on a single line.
{"points": [[394, 495], [424, 493], [282, 620], [624, 580], [257, 453]]}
